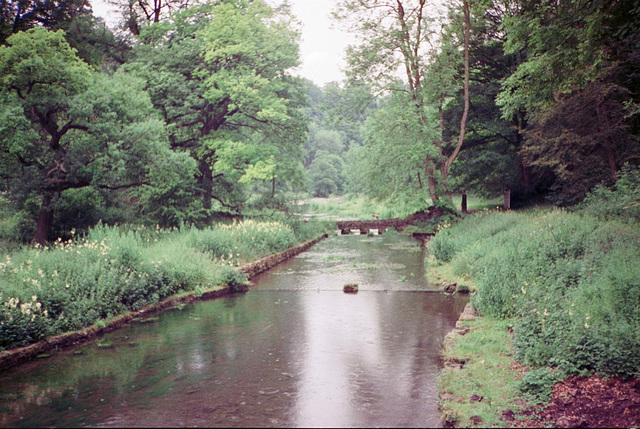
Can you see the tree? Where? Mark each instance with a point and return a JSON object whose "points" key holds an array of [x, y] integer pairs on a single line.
{"points": [[94, 42], [578, 88], [138, 14], [321, 138], [396, 37], [394, 152], [220, 75], [21, 15], [489, 162], [325, 174], [65, 127]]}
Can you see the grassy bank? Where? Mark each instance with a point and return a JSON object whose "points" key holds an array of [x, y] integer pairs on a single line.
{"points": [[479, 382], [561, 289], [74, 284]]}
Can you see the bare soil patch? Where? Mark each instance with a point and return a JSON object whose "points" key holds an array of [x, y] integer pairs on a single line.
{"points": [[586, 402]]}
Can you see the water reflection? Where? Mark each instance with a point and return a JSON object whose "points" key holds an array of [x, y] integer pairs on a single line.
{"points": [[294, 351]]}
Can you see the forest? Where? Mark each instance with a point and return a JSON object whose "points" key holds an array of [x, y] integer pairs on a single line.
{"points": [[191, 110], [186, 130]]}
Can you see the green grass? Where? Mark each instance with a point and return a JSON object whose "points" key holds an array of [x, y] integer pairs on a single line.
{"points": [[487, 373], [559, 294], [570, 281], [73, 284]]}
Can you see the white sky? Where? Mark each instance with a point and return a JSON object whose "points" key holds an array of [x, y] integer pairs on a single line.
{"points": [[322, 49]]}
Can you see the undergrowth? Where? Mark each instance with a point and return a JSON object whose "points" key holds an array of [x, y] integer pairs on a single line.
{"points": [[570, 282], [72, 284]]}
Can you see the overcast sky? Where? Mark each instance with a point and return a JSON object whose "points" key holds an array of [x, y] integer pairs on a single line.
{"points": [[322, 47]]}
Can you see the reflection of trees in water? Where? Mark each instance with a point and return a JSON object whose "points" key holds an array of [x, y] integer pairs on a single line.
{"points": [[203, 356]]}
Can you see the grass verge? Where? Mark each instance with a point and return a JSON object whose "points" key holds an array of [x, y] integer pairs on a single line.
{"points": [[481, 377]]}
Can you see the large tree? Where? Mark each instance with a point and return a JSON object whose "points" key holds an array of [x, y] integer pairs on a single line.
{"points": [[396, 37], [63, 126], [221, 76], [578, 85]]}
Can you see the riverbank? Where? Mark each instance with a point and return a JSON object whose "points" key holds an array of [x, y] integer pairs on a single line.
{"points": [[483, 385], [99, 277], [479, 381], [554, 291]]}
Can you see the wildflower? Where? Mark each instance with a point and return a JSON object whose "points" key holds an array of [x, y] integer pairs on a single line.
{"points": [[25, 308], [34, 298], [586, 325], [524, 291]]}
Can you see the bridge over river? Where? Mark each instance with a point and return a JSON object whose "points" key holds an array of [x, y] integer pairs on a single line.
{"points": [[381, 225]]}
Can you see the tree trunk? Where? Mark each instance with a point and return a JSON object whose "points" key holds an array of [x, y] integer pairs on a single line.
{"points": [[526, 177], [206, 184], [463, 204], [506, 194], [465, 111], [430, 172], [45, 218], [273, 186]]}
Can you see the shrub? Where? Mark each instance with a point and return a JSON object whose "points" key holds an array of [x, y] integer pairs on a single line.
{"points": [[570, 283], [621, 203], [538, 383]]}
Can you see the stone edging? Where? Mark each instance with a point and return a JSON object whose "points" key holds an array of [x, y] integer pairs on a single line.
{"points": [[254, 268], [454, 335], [21, 354]]}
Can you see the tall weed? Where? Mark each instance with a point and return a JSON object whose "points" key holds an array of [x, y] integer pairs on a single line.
{"points": [[570, 282], [75, 283]]}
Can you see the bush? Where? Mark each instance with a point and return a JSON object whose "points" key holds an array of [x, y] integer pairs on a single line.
{"points": [[538, 383], [570, 283], [621, 203]]}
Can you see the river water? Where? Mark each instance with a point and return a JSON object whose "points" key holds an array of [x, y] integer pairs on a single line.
{"points": [[293, 351]]}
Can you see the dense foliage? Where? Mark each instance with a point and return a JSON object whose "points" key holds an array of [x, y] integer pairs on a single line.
{"points": [[204, 111], [115, 269], [192, 109], [567, 281], [553, 93]]}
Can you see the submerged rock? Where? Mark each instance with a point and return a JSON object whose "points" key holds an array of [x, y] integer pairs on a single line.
{"points": [[450, 287], [350, 288]]}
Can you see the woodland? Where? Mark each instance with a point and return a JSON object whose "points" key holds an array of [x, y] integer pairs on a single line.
{"points": [[190, 110], [156, 156]]}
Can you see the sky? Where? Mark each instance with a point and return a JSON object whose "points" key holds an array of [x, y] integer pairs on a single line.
{"points": [[322, 49]]}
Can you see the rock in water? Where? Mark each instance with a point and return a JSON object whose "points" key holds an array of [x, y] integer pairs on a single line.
{"points": [[350, 288]]}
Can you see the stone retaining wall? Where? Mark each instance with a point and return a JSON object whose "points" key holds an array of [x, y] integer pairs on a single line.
{"points": [[252, 269]]}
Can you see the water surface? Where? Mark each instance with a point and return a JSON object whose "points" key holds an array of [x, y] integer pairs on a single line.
{"points": [[294, 351]]}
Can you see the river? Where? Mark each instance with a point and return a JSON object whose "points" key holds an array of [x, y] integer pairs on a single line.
{"points": [[293, 351]]}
